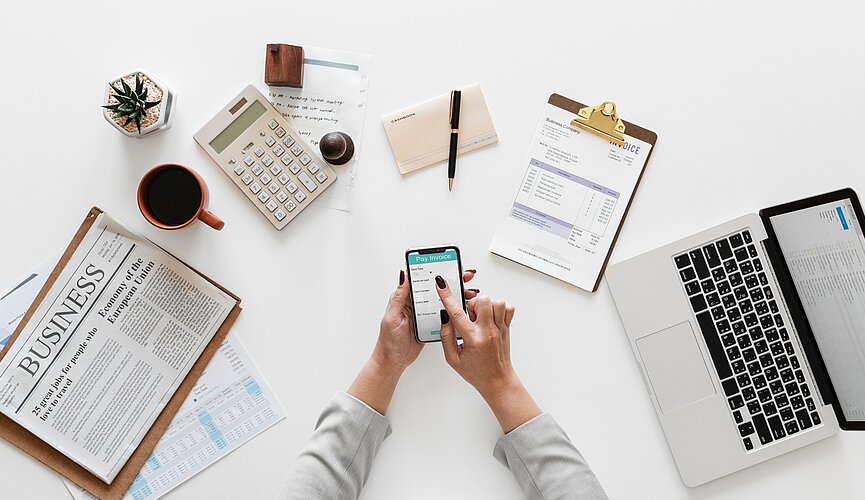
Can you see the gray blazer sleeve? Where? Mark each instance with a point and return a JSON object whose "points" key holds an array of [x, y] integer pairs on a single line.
{"points": [[546, 463], [337, 460]]}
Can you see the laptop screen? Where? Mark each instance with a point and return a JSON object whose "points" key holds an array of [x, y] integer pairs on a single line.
{"points": [[824, 248]]}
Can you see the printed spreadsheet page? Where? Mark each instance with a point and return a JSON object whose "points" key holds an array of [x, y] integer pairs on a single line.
{"points": [[570, 197]]}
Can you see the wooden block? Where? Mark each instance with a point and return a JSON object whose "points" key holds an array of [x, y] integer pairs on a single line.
{"points": [[283, 65]]}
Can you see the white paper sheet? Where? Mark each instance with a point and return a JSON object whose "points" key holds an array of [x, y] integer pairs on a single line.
{"points": [[230, 404], [333, 98]]}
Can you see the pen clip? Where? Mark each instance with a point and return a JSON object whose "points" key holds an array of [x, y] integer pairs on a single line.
{"points": [[451, 110]]}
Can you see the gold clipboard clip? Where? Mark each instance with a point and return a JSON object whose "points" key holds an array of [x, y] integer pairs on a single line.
{"points": [[602, 120]]}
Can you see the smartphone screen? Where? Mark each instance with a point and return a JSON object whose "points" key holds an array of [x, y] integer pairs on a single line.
{"points": [[424, 264]]}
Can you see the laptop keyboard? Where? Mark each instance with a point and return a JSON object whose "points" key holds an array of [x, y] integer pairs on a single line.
{"points": [[738, 315]]}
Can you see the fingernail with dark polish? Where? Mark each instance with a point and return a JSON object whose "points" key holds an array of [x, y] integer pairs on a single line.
{"points": [[476, 290], [401, 277], [444, 317], [473, 271], [441, 282]]}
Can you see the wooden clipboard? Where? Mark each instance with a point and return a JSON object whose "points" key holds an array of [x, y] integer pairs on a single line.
{"points": [[42, 451], [632, 130]]}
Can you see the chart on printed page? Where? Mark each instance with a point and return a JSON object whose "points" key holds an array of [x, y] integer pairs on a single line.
{"points": [[564, 204]]}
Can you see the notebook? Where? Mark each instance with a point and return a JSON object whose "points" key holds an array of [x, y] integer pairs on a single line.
{"points": [[419, 135]]}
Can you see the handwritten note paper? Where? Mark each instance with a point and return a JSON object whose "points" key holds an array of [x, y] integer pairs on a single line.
{"points": [[333, 98]]}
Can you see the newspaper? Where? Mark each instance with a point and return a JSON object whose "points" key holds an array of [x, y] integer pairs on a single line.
{"points": [[108, 346]]}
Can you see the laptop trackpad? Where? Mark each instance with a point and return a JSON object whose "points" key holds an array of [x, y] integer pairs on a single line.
{"points": [[675, 365]]}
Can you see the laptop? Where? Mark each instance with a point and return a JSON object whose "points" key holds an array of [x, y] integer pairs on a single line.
{"points": [[751, 334]]}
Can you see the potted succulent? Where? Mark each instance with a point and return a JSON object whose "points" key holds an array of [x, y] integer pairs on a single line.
{"points": [[138, 104]]}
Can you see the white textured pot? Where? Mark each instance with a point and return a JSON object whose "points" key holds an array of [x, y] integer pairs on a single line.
{"points": [[164, 109]]}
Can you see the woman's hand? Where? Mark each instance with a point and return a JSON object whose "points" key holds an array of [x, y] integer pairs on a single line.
{"points": [[484, 358], [395, 349]]}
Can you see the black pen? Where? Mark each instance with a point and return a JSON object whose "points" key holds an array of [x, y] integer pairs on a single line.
{"points": [[454, 120]]}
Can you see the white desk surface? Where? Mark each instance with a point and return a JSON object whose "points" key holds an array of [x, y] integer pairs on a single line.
{"points": [[753, 103]]}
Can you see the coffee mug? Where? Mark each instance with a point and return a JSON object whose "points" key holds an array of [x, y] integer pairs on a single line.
{"points": [[173, 196]]}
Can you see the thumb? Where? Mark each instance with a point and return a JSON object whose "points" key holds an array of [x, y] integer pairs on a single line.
{"points": [[449, 340], [400, 295]]}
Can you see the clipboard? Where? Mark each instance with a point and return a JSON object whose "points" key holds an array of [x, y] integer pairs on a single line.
{"points": [[42, 451], [605, 125]]}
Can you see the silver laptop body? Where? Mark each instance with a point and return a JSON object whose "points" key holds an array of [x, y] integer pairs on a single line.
{"points": [[680, 373]]}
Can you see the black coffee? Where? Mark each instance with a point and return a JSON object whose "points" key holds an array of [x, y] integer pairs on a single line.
{"points": [[174, 196]]}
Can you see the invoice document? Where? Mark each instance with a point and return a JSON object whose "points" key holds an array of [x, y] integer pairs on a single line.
{"points": [[571, 194]]}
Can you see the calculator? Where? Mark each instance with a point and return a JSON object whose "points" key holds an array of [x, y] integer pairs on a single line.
{"points": [[264, 157]]}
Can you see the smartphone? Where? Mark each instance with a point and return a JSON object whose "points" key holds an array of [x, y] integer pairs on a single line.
{"points": [[423, 265]]}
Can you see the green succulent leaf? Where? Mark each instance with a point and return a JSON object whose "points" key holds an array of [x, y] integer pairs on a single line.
{"points": [[139, 85], [149, 105]]}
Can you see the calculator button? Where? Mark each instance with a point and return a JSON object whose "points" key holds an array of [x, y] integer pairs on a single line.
{"points": [[280, 132], [291, 205], [263, 197], [257, 170], [267, 160], [246, 179], [321, 177], [279, 214], [239, 170], [278, 150], [286, 160], [255, 188], [282, 197], [270, 141], [249, 161], [273, 187], [258, 151], [307, 181], [288, 141], [292, 187], [283, 178], [273, 124], [271, 205], [295, 168], [299, 196], [305, 159], [266, 179], [313, 168], [296, 150], [275, 170]]}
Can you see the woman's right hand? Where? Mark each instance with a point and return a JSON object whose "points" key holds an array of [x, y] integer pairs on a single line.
{"points": [[484, 358]]}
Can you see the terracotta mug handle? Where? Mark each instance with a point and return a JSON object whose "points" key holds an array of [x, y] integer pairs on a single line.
{"points": [[209, 218]]}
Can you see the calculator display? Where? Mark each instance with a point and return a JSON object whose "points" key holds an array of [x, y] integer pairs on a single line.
{"points": [[237, 127]]}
